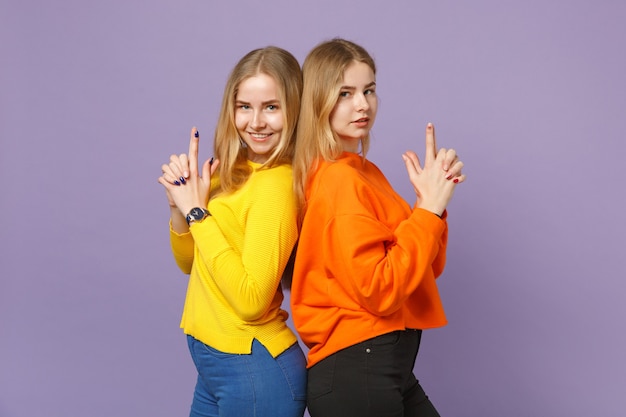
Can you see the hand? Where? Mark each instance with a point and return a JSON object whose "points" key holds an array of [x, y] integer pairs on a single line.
{"points": [[184, 187], [434, 184], [176, 173]]}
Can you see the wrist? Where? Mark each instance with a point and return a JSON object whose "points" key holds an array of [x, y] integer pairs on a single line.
{"points": [[196, 215], [437, 211]]}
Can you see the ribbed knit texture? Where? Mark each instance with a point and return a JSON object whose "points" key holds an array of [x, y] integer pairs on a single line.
{"points": [[235, 259], [366, 263]]}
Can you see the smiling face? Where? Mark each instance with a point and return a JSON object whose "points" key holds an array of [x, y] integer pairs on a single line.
{"points": [[355, 111], [259, 116]]}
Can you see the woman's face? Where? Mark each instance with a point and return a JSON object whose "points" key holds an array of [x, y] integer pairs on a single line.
{"points": [[355, 111], [258, 116]]}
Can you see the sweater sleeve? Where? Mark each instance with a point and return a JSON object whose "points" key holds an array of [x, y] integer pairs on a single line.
{"points": [[440, 260], [249, 280], [379, 267], [182, 249]]}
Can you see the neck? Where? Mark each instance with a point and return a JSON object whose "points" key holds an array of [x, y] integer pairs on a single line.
{"points": [[350, 145]]}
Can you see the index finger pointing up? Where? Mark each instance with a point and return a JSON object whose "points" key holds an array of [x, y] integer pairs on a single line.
{"points": [[431, 145], [193, 152]]}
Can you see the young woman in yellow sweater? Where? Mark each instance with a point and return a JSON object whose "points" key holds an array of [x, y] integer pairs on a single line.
{"points": [[364, 277], [232, 229]]}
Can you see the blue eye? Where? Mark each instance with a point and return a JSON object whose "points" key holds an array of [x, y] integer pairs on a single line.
{"points": [[369, 91], [344, 94], [272, 107]]}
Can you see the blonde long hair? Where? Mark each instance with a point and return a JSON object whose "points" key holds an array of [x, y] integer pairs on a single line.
{"points": [[284, 68], [323, 71]]}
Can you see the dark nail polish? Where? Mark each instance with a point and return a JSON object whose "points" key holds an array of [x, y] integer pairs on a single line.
{"points": [[182, 180], [197, 134], [176, 183], [211, 161]]}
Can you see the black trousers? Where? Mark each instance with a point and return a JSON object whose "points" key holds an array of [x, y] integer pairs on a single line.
{"points": [[373, 378]]}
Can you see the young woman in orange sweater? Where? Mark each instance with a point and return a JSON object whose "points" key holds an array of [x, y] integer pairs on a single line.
{"points": [[364, 276]]}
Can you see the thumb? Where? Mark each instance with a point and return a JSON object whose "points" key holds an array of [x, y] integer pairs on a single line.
{"points": [[214, 164], [412, 162], [206, 170]]}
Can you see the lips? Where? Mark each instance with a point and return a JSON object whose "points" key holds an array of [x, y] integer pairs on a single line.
{"points": [[362, 122], [260, 136]]}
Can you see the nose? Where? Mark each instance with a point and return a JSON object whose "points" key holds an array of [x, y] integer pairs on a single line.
{"points": [[361, 102], [258, 120]]}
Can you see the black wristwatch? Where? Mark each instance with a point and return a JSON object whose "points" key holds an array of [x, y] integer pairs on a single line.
{"points": [[197, 214]]}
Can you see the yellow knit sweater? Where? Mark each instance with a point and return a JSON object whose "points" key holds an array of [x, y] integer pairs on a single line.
{"points": [[235, 259]]}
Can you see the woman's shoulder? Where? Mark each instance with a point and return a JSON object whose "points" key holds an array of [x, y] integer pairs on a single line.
{"points": [[346, 169], [334, 180]]}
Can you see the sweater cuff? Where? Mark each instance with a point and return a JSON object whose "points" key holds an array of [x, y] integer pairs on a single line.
{"points": [[443, 216], [174, 233], [430, 220]]}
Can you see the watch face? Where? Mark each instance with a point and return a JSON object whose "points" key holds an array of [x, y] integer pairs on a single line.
{"points": [[196, 213]]}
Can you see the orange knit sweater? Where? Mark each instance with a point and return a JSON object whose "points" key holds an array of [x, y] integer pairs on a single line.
{"points": [[366, 263]]}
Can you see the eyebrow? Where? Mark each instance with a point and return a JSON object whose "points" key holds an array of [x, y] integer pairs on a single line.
{"points": [[349, 87], [265, 103]]}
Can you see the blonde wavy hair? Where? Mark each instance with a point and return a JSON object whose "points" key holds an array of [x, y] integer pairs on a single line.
{"points": [[323, 71], [284, 68]]}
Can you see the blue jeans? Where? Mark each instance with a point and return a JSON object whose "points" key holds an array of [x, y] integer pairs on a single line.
{"points": [[255, 384]]}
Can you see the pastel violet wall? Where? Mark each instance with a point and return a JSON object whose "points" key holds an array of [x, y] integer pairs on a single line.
{"points": [[94, 96]]}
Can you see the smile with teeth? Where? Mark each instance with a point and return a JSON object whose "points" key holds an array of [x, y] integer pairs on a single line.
{"points": [[260, 136]]}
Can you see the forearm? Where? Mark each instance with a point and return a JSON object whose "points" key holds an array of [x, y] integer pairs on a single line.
{"points": [[182, 246], [179, 224], [439, 262], [380, 266]]}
